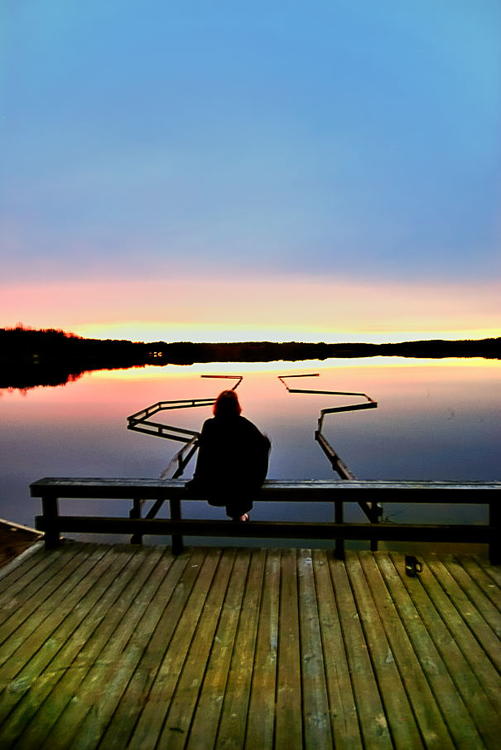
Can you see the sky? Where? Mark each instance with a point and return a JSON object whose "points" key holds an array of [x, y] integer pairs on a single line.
{"points": [[322, 170]]}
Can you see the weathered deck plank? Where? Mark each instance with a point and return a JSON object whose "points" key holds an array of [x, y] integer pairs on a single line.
{"points": [[85, 681], [42, 673], [151, 719], [386, 643], [133, 633], [343, 707], [232, 727], [26, 618], [261, 720], [482, 579], [121, 647], [373, 720], [465, 680], [479, 600], [469, 611], [428, 684], [493, 571], [182, 576], [42, 645], [316, 715], [180, 712], [203, 731], [15, 576], [471, 649], [288, 717], [26, 584]]}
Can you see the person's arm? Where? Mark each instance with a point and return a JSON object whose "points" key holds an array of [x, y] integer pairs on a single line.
{"points": [[203, 456], [257, 448]]}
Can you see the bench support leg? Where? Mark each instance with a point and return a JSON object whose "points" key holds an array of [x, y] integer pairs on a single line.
{"points": [[50, 513], [338, 518], [177, 539], [495, 524], [135, 512]]}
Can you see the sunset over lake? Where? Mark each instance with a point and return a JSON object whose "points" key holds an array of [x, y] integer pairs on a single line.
{"points": [[250, 369], [238, 171]]}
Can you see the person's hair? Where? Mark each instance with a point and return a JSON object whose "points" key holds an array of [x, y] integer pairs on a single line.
{"points": [[227, 405]]}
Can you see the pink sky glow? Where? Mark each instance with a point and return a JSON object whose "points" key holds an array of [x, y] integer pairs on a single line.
{"points": [[282, 308]]}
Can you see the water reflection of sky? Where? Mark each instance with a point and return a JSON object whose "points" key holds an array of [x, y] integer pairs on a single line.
{"points": [[435, 420]]}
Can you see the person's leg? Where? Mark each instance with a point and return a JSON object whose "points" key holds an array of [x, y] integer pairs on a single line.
{"points": [[238, 509]]}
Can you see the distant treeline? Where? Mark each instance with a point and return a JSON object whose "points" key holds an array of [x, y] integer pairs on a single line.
{"points": [[52, 357], [267, 351]]}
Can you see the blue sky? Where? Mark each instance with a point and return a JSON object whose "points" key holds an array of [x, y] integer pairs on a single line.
{"points": [[332, 140]]}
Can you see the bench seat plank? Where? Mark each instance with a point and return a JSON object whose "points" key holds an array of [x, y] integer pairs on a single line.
{"points": [[352, 490]]}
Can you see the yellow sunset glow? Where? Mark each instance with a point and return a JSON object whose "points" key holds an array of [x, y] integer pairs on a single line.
{"points": [[280, 309]]}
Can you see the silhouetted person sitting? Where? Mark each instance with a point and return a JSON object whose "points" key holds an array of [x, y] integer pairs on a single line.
{"points": [[232, 459]]}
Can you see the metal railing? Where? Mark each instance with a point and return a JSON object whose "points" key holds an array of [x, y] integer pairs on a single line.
{"points": [[141, 422], [373, 511]]}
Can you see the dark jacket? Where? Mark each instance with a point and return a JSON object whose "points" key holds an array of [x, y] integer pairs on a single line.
{"points": [[232, 459]]}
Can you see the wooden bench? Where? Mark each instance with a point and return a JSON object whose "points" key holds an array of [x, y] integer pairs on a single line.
{"points": [[52, 523]]}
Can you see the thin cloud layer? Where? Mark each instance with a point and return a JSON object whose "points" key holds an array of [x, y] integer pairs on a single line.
{"points": [[328, 140]]}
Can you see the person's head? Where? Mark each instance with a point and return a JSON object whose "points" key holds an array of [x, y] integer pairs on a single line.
{"points": [[227, 405]]}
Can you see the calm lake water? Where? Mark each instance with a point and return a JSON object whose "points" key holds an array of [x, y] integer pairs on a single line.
{"points": [[435, 420]]}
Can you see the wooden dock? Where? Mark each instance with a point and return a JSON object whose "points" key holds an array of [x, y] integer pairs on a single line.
{"points": [[115, 646], [14, 539]]}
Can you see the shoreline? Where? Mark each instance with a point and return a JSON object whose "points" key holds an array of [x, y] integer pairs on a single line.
{"points": [[29, 358]]}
